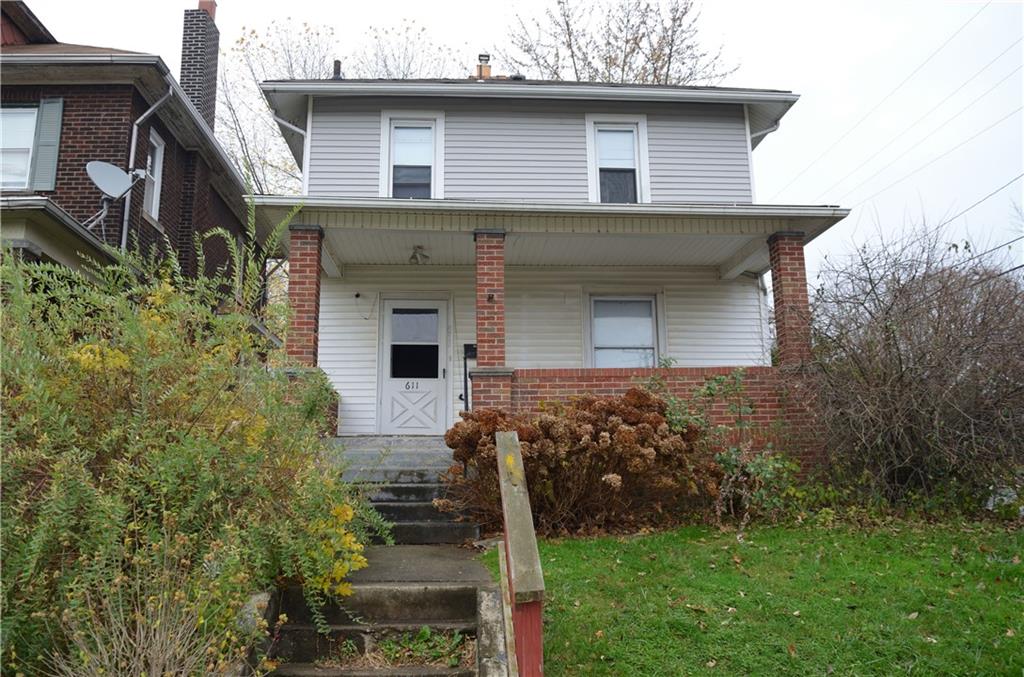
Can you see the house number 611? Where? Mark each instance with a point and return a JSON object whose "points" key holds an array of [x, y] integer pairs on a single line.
{"points": [[412, 385]]}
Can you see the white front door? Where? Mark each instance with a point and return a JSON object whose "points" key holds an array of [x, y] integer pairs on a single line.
{"points": [[414, 359]]}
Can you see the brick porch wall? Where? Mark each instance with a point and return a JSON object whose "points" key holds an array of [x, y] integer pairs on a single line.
{"points": [[779, 412]]}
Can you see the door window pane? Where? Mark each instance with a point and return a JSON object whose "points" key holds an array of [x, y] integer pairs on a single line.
{"points": [[414, 361], [414, 325], [616, 148], [18, 130]]}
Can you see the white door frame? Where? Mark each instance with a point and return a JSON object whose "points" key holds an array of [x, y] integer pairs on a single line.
{"points": [[443, 300]]}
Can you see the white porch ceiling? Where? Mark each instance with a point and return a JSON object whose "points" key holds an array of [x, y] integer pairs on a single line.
{"points": [[394, 247]]}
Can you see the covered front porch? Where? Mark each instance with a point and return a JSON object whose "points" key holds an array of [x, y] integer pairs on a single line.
{"points": [[417, 310]]}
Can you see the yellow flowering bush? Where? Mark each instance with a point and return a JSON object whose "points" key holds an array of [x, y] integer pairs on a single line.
{"points": [[138, 419]]}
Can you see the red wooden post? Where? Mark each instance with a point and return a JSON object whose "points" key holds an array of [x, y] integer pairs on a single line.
{"points": [[522, 570]]}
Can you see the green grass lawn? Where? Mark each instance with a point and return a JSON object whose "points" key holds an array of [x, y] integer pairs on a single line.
{"points": [[925, 600]]}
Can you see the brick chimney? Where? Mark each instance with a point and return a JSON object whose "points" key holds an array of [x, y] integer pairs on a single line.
{"points": [[200, 45]]}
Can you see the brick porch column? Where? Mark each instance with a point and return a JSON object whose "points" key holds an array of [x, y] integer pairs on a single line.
{"points": [[304, 250], [789, 287], [793, 335], [492, 379]]}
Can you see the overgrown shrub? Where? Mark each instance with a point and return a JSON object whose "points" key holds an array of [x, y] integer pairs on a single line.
{"points": [[593, 464], [919, 356], [137, 418]]}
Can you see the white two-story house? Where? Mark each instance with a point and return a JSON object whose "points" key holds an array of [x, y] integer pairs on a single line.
{"points": [[507, 242]]}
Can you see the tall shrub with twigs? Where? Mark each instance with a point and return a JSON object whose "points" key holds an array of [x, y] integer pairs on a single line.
{"points": [[139, 416], [919, 356]]}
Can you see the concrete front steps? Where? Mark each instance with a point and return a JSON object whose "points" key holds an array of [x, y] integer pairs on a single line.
{"points": [[408, 470], [405, 588]]}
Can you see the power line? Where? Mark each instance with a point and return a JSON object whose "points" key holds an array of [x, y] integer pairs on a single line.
{"points": [[885, 146], [964, 211], [934, 160], [989, 251], [884, 99], [926, 136]]}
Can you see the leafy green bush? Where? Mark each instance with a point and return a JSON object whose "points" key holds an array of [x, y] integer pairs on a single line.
{"points": [[137, 417]]}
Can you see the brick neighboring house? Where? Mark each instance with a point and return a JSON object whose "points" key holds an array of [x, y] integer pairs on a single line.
{"points": [[65, 105], [507, 242]]}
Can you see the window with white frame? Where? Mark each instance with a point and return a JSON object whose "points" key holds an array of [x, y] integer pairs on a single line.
{"points": [[617, 158], [624, 331], [18, 132], [154, 175], [412, 158]]}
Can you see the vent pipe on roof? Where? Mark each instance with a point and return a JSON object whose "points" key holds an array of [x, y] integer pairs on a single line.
{"points": [[337, 69], [483, 68]]}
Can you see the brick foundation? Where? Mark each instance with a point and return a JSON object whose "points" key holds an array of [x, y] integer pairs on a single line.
{"points": [[305, 246]]}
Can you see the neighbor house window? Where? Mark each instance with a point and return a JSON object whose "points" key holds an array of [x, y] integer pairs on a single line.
{"points": [[154, 175], [617, 159], [624, 331], [412, 156], [18, 131]]}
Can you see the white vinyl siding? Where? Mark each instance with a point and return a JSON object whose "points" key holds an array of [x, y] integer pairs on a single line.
{"points": [[344, 154], [703, 321], [505, 155], [699, 154], [519, 150]]}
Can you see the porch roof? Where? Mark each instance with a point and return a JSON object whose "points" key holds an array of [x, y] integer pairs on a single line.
{"points": [[385, 231]]}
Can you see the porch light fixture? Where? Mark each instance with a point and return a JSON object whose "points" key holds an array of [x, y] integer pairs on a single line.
{"points": [[418, 255]]}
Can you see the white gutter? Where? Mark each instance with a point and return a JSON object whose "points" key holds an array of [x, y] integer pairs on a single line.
{"points": [[526, 90], [131, 161], [584, 208]]}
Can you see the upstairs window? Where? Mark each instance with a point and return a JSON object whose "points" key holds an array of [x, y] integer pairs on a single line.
{"points": [[617, 158], [412, 159], [616, 164], [18, 131], [154, 176], [623, 331]]}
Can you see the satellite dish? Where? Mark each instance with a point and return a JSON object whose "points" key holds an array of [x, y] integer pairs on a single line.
{"points": [[110, 179]]}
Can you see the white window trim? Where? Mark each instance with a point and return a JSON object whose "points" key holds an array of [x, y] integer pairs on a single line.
{"points": [[155, 141], [639, 122], [31, 144], [658, 301], [388, 118]]}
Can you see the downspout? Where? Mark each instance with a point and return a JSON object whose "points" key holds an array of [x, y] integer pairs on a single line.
{"points": [[131, 161]]}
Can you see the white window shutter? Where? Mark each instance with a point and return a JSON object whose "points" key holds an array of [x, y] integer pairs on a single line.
{"points": [[44, 164]]}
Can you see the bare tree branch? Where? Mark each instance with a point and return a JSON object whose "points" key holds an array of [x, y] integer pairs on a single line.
{"points": [[626, 41]]}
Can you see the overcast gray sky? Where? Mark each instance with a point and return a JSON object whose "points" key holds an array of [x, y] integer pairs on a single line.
{"points": [[844, 58]]}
